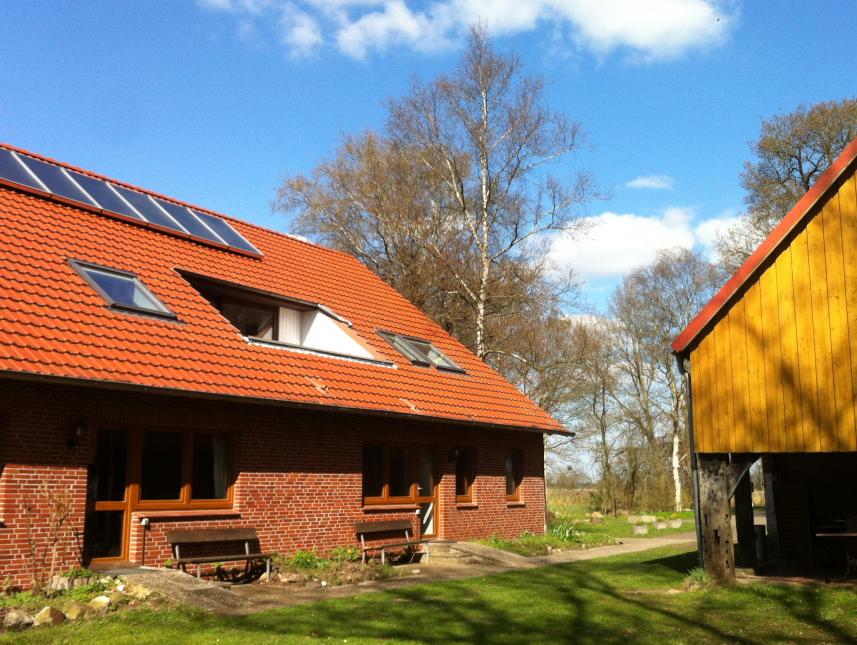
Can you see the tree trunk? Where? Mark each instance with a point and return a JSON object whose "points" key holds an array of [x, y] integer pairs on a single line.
{"points": [[676, 464], [718, 557]]}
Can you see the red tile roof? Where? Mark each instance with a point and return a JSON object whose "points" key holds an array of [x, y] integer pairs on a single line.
{"points": [[754, 265], [53, 324]]}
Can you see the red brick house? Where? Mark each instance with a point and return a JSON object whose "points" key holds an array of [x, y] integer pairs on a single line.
{"points": [[164, 366]]}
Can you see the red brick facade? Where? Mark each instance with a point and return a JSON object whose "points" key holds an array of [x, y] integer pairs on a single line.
{"points": [[296, 474]]}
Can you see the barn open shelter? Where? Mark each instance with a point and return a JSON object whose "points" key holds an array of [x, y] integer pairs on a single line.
{"points": [[772, 372]]}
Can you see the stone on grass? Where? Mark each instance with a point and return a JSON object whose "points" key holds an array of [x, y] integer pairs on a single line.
{"points": [[660, 525], [640, 529], [265, 577], [118, 598], [597, 518], [675, 524], [17, 619], [633, 519], [312, 584], [74, 610], [100, 603], [48, 616], [648, 519], [137, 590], [416, 572], [292, 578]]}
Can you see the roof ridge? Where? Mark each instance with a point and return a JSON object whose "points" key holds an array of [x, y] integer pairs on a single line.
{"points": [[179, 202], [769, 247]]}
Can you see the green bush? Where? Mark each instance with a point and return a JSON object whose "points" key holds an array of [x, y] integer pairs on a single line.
{"points": [[345, 554], [697, 579], [78, 572], [302, 559]]}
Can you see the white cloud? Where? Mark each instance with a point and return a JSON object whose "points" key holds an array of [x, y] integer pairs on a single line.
{"points": [[646, 31], [653, 182], [299, 32], [617, 243]]}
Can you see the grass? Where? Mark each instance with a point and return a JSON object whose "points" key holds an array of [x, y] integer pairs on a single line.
{"points": [[634, 597], [571, 506]]}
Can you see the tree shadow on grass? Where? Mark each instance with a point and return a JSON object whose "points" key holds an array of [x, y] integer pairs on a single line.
{"points": [[602, 601]]}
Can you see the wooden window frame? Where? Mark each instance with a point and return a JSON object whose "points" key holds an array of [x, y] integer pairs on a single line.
{"points": [[185, 500], [413, 497], [469, 455], [517, 474]]}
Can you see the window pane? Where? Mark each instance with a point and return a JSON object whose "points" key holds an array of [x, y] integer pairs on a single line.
{"points": [[109, 473], [209, 467], [400, 472], [250, 321], [162, 465], [124, 290], [513, 472], [439, 359], [464, 472], [426, 479], [373, 471]]}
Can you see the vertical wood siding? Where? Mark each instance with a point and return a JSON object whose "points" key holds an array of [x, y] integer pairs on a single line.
{"points": [[778, 372]]}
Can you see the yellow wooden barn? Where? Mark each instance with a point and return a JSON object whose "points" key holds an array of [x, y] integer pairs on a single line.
{"points": [[772, 371]]}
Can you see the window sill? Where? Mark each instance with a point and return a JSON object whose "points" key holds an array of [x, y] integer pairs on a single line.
{"points": [[465, 505], [186, 513], [390, 507], [514, 503]]}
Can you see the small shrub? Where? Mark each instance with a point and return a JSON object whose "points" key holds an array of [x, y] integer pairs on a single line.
{"points": [[697, 579], [302, 559], [168, 563], [345, 554], [78, 572], [86, 592]]}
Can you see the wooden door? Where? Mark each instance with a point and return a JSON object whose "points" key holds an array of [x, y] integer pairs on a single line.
{"points": [[107, 517]]}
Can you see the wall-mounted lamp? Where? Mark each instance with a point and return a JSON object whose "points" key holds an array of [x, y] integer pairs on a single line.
{"points": [[78, 432], [455, 453]]}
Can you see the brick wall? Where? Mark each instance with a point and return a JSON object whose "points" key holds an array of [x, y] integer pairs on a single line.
{"points": [[297, 474]]}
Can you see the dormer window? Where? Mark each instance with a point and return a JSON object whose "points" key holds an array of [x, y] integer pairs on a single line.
{"points": [[269, 319], [420, 352], [253, 321], [122, 290]]}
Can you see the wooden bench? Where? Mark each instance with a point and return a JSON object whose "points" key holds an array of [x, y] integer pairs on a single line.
{"points": [[240, 539], [390, 526]]}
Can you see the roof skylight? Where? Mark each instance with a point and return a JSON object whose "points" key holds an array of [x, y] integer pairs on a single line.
{"points": [[420, 352], [122, 290]]}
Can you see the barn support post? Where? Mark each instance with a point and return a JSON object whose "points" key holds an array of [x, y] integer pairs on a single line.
{"points": [[717, 549], [745, 553]]}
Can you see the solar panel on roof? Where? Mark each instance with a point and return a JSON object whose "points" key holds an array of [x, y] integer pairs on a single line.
{"points": [[189, 221], [56, 180], [225, 231], [12, 170], [149, 209], [104, 195], [28, 171]]}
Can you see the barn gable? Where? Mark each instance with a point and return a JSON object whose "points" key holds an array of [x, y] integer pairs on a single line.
{"points": [[773, 358]]}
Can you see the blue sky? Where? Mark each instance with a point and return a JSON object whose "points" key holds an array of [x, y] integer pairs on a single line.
{"points": [[214, 101]]}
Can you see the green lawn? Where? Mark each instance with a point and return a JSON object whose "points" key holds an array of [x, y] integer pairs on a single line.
{"points": [[598, 601]]}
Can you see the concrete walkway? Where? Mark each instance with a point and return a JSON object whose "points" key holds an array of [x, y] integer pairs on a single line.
{"points": [[259, 597]]}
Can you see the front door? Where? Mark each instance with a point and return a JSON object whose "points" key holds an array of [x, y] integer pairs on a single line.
{"points": [[105, 534], [426, 491]]}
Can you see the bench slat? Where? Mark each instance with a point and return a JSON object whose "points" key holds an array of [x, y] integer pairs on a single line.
{"points": [[382, 527], [232, 557], [393, 545], [201, 536]]}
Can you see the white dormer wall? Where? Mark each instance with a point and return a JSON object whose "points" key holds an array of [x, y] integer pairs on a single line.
{"points": [[314, 329]]}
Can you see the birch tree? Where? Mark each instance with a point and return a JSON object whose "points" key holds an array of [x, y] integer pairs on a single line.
{"points": [[455, 194], [653, 304]]}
